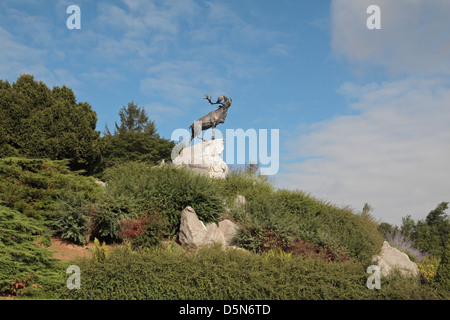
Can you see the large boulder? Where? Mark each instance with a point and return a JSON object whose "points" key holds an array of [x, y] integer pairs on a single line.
{"points": [[204, 157], [229, 230], [393, 259], [214, 235], [193, 231]]}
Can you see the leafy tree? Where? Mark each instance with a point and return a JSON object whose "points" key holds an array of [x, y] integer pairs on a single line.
{"points": [[387, 229], [36, 122], [134, 139], [430, 234], [408, 226], [443, 271], [134, 119]]}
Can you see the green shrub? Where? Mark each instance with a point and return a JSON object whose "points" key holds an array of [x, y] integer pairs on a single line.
{"points": [[274, 219], [247, 184], [21, 261], [265, 225], [46, 239], [156, 227], [212, 273], [73, 227], [101, 252], [72, 223], [443, 271], [107, 212], [144, 231], [167, 190], [331, 227], [35, 186]]}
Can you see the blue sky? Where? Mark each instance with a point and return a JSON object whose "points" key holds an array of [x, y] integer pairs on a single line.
{"points": [[363, 114]]}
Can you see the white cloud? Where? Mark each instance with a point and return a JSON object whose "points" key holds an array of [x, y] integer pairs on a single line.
{"points": [[183, 49], [414, 36], [393, 150], [161, 112], [394, 154]]}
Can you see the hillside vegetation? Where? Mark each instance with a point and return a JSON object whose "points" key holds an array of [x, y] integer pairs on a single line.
{"points": [[298, 247], [291, 245]]}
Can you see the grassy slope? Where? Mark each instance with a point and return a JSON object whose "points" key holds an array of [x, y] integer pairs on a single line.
{"points": [[270, 219]]}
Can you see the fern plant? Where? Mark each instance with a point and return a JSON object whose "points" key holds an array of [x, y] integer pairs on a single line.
{"points": [[73, 227], [73, 222]]}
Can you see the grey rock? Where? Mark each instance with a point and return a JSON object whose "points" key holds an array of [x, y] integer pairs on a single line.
{"points": [[214, 235], [192, 230], [229, 230], [393, 259]]}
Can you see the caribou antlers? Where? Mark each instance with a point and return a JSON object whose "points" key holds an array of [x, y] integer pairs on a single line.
{"points": [[219, 99]]}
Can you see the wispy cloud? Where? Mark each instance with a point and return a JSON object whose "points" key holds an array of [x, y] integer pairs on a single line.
{"points": [[414, 36], [393, 154], [392, 150]]}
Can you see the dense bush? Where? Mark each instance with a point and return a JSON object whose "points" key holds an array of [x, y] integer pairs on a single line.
{"points": [[429, 235], [443, 271], [35, 187], [22, 263], [265, 224], [212, 273], [247, 184], [135, 139], [332, 227], [277, 218], [106, 213], [167, 190], [145, 231], [72, 221], [38, 122]]}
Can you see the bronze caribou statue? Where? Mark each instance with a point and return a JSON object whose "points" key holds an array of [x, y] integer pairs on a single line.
{"points": [[212, 119]]}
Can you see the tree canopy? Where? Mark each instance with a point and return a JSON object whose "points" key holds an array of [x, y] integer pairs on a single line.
{"points": [[38, 122], [430, 235], [134, 139], [134, 119]]}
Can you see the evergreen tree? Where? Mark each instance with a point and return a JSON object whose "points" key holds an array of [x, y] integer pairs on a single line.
{"points": [[134, 119], [37, 122], [430, 234], [408, 226], [134, 139], [443, 272]]}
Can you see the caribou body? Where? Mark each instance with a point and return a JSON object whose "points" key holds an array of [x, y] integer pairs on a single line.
{"points": [[212, 119]]}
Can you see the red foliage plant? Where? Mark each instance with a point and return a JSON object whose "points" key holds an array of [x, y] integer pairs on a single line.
{"points": [[131, 228]]}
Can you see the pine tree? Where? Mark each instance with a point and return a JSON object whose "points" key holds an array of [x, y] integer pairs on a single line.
{"points": [[134, 139], [431, 234], [134, 119], [443, 272], [36, 122]]}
